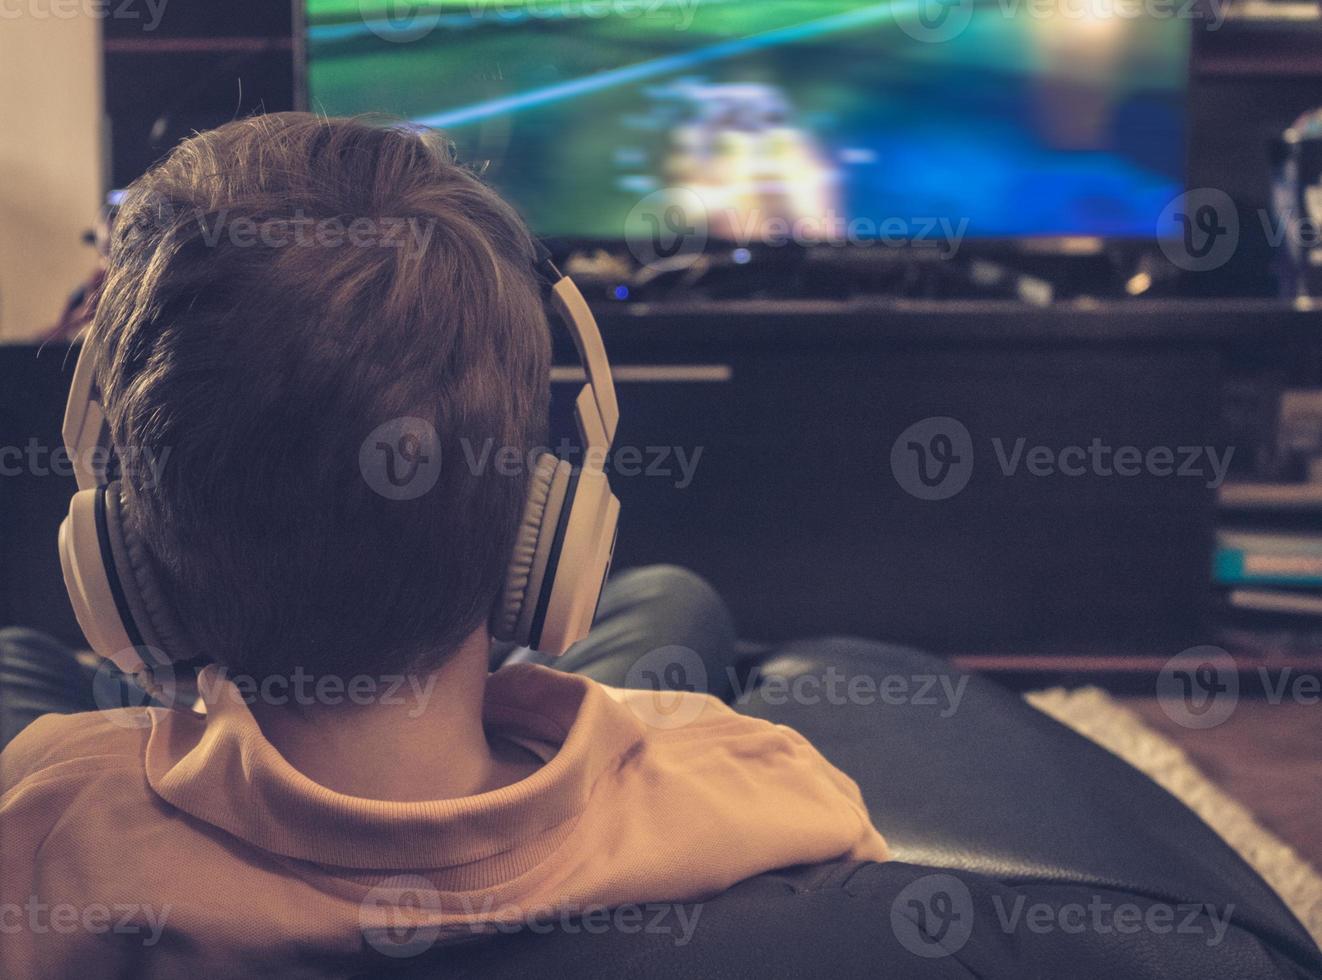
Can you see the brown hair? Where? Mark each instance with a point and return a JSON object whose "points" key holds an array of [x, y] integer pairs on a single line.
{"points": [[279, 288]]}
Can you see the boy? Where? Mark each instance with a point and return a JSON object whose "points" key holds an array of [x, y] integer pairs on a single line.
{"points": [[261, 835]]}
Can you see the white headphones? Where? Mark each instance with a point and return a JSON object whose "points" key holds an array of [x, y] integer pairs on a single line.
{"points": [[561, 556]]}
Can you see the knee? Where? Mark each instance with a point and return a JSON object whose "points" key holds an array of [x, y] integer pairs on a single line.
{"points": [[672, 584], [654, 581], [666, 603], [809, 656]]}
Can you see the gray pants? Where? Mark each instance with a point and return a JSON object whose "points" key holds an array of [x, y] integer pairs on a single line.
{"points": [[642, 610]]}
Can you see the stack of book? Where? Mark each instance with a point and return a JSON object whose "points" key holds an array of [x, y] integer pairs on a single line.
{"points": [[1268, 559]]}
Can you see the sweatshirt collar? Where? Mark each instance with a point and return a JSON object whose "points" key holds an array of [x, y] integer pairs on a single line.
{"points": [[221, 769]]}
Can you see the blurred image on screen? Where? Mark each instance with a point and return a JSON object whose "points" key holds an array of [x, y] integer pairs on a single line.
{"points": [[837, 114]]}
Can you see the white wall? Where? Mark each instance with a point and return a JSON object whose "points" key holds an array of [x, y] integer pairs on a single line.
{"points": [[50, 158]]}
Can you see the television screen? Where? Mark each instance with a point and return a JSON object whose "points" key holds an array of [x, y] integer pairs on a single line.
{"points": [[848, 118]]}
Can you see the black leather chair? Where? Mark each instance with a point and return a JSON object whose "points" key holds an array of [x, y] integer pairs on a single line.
{"points": [[1021, 850]]}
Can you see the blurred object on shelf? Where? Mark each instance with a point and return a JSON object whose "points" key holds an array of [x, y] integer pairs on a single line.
{"points": [[1277, 601], [1285, 558], [1297, 205], [1250, 406], [1299, 434], [1268, 562], [1285, 12]]}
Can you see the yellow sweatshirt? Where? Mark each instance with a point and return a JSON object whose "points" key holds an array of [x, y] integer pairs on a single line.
{"points": [[157, 843]]}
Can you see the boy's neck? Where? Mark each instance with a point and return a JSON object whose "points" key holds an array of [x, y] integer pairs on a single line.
{"points": [[424, 741]]}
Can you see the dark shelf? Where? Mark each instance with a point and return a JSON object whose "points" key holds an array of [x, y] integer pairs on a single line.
{"points": [[690, 328], [1265, 47], [200, 18], [190, 45]]}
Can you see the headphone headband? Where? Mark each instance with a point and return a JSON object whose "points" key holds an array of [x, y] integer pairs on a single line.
{"points": [[597, 410], [85, 430]]}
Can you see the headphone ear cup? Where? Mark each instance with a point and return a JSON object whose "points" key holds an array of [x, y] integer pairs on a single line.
{"points": [[138, 580], [513, 614], [580, 557], [89, 577], [112, 585]]}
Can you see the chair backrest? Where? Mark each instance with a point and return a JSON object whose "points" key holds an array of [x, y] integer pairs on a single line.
{"points": [[35, 486], [864, 920]]}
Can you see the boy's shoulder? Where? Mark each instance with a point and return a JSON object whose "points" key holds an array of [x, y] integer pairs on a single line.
{"points": [[684, 716], [55, 746]]}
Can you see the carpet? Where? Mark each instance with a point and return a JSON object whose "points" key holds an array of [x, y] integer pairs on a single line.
{"points": [[1097, 716]]}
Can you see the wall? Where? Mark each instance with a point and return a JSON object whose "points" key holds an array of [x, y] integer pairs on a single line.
{"points": [[50, 157]]}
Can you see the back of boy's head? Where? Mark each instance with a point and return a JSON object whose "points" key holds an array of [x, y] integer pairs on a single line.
{"points": [[279, 288]]}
